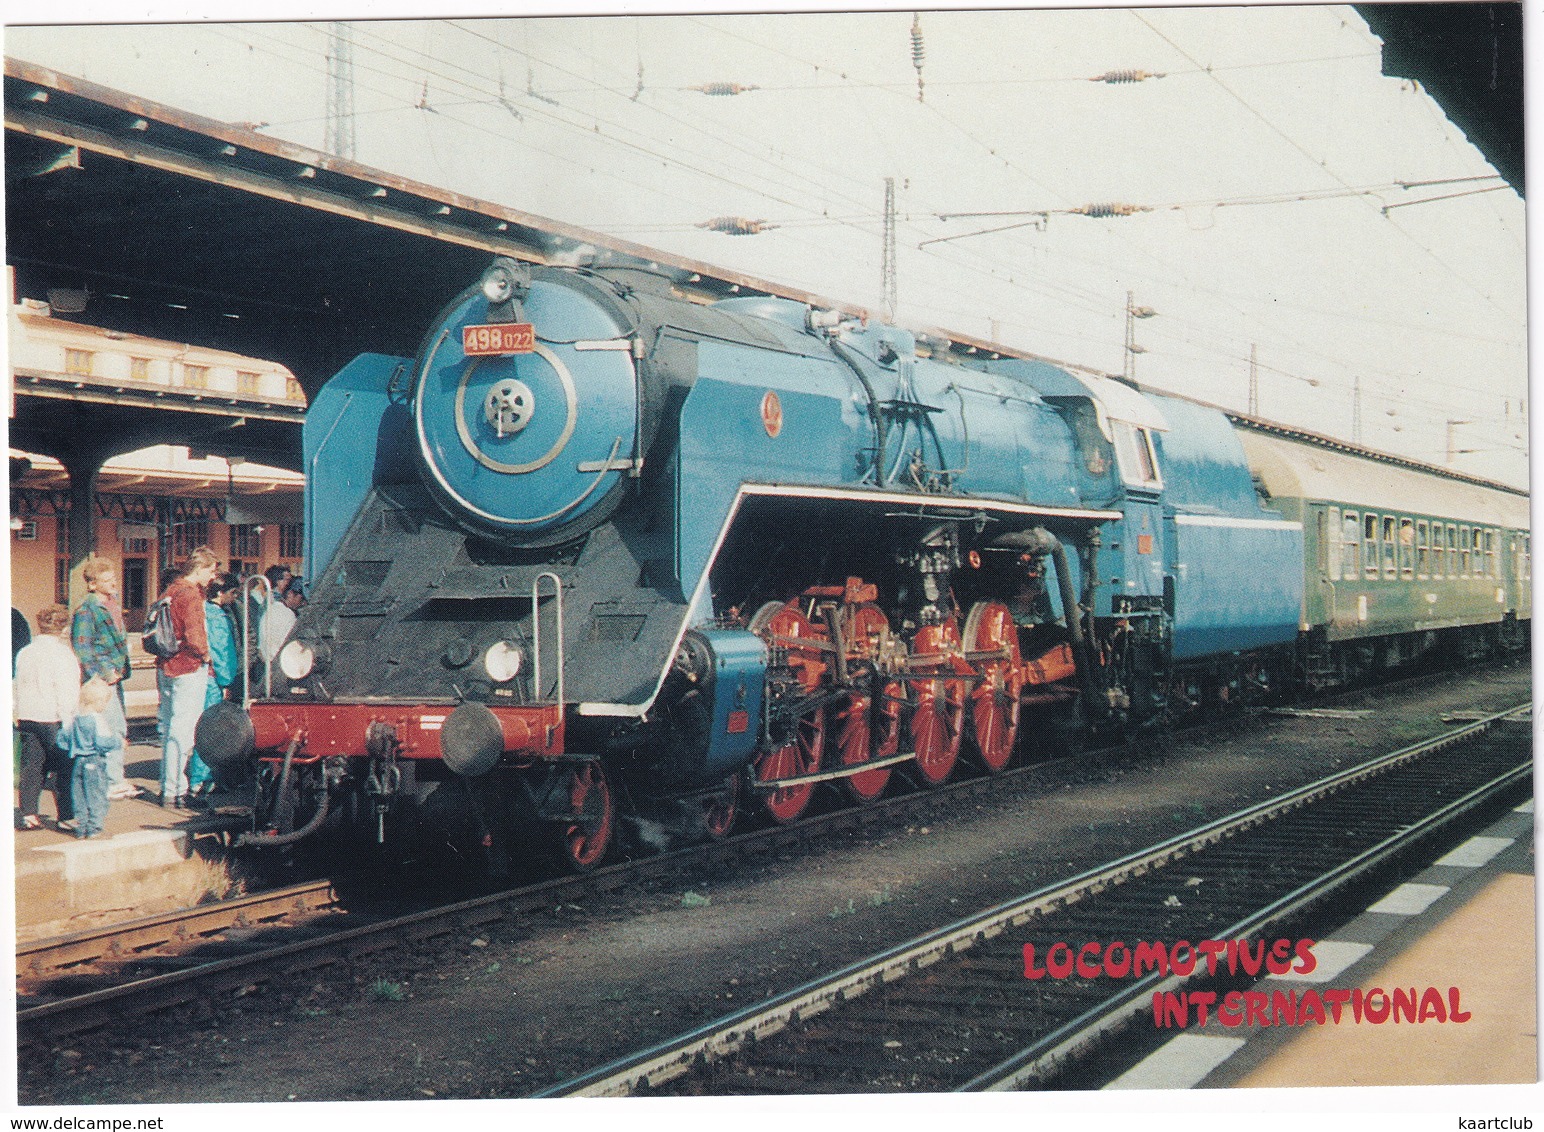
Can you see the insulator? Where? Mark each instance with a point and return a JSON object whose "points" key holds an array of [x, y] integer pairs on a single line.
{"points": [[723, 90], [1126, 76], [1108, 209], [736, 225], [918, 50]]}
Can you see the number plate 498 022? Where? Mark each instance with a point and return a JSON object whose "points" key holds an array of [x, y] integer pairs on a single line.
{"points": [[498, 338]]}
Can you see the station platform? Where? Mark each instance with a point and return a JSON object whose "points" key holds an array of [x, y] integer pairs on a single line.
{"points": [[149, 860], [1458, 942]]}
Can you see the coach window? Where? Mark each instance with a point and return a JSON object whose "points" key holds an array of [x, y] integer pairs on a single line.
{"points": [[1407, 548], [1463, 551], [1527, 559], [1423, 549], [1452, 542], [1477, 540], [1492, 554], [1389, 568], [1438, 546], [1370, 545], [1329, 555], [1350, 545]]}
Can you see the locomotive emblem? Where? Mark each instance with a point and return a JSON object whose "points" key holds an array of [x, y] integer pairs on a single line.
{"points": [[508, 406], [772, 414]]}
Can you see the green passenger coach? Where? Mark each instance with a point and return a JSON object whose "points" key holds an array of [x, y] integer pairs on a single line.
{"points": [[1401, 560]]}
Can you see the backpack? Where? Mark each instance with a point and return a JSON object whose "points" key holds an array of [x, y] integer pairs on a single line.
{"points": [[160, 635]]}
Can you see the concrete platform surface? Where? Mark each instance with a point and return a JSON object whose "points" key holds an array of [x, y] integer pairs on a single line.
{"points": [[147, 860], [1464, 927]]}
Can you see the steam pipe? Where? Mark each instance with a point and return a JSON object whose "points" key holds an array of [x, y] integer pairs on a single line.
{"points": [[1073, 611]]}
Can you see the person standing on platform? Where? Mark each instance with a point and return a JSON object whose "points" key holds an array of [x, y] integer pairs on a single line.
{"points": [[224, 665], [45, 696], [102, 647], [258, 603], [96, 731], [181, 679], [279, 620]]}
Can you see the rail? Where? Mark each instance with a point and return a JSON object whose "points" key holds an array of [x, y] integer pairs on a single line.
{"points": [[726, 1036]]}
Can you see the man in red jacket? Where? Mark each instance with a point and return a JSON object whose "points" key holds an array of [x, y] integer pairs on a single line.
{"points": [[182, 679]]}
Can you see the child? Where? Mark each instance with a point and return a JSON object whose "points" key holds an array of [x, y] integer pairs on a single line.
{"points": [[96, 733]]}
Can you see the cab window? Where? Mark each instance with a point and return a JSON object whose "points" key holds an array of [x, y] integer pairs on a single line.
{"points": [[1134, 452]]}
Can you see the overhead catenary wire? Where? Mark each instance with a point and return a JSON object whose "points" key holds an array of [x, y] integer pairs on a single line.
{"points": [[1309, 156], [854, 217]]}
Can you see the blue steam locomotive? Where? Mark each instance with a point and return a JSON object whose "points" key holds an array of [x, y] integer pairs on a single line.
{"points": [[599, 552]]}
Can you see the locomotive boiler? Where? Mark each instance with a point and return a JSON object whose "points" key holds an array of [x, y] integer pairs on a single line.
{"points": [[600, 558]]}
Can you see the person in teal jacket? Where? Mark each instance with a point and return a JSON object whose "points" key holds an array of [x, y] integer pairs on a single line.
{"points": [[224, 663]]}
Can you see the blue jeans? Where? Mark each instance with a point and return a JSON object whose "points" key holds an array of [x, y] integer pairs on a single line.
{"points": [[182, 702], [88, 791], [115, 776]]}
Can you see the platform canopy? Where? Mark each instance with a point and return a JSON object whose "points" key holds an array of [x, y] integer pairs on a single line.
{"points": [[178, 227]]}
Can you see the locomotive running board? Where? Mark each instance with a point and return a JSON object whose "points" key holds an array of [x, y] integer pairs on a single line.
{"points": [[924, 501]]}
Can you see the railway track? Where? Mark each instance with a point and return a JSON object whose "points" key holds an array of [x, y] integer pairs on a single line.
{"points": [[82, 981], [79, 982], [952, 1010]]}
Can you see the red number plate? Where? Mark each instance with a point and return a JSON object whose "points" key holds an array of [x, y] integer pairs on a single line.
{"points": [[498, 338]]}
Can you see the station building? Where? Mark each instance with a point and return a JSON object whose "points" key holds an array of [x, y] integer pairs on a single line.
{"points": [[154, 505]]}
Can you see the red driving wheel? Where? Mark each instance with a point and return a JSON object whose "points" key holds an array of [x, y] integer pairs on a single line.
{"points": [[994, 702], [862, 732], [938, 711], [783, 625], [801, 755]]}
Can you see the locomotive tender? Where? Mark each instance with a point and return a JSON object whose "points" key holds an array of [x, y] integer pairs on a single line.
{"points": [[599, 551]]}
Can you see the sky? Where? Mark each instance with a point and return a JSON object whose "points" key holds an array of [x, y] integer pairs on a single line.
{"points": [[1268, 164]]}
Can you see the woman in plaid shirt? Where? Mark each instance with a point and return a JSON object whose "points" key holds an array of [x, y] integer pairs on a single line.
{"points": [[102, 647]]}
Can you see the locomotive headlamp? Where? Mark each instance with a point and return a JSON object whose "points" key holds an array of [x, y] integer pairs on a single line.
{"points": [[503, 661], [505, 281], [498, 284], [296, 659]]}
